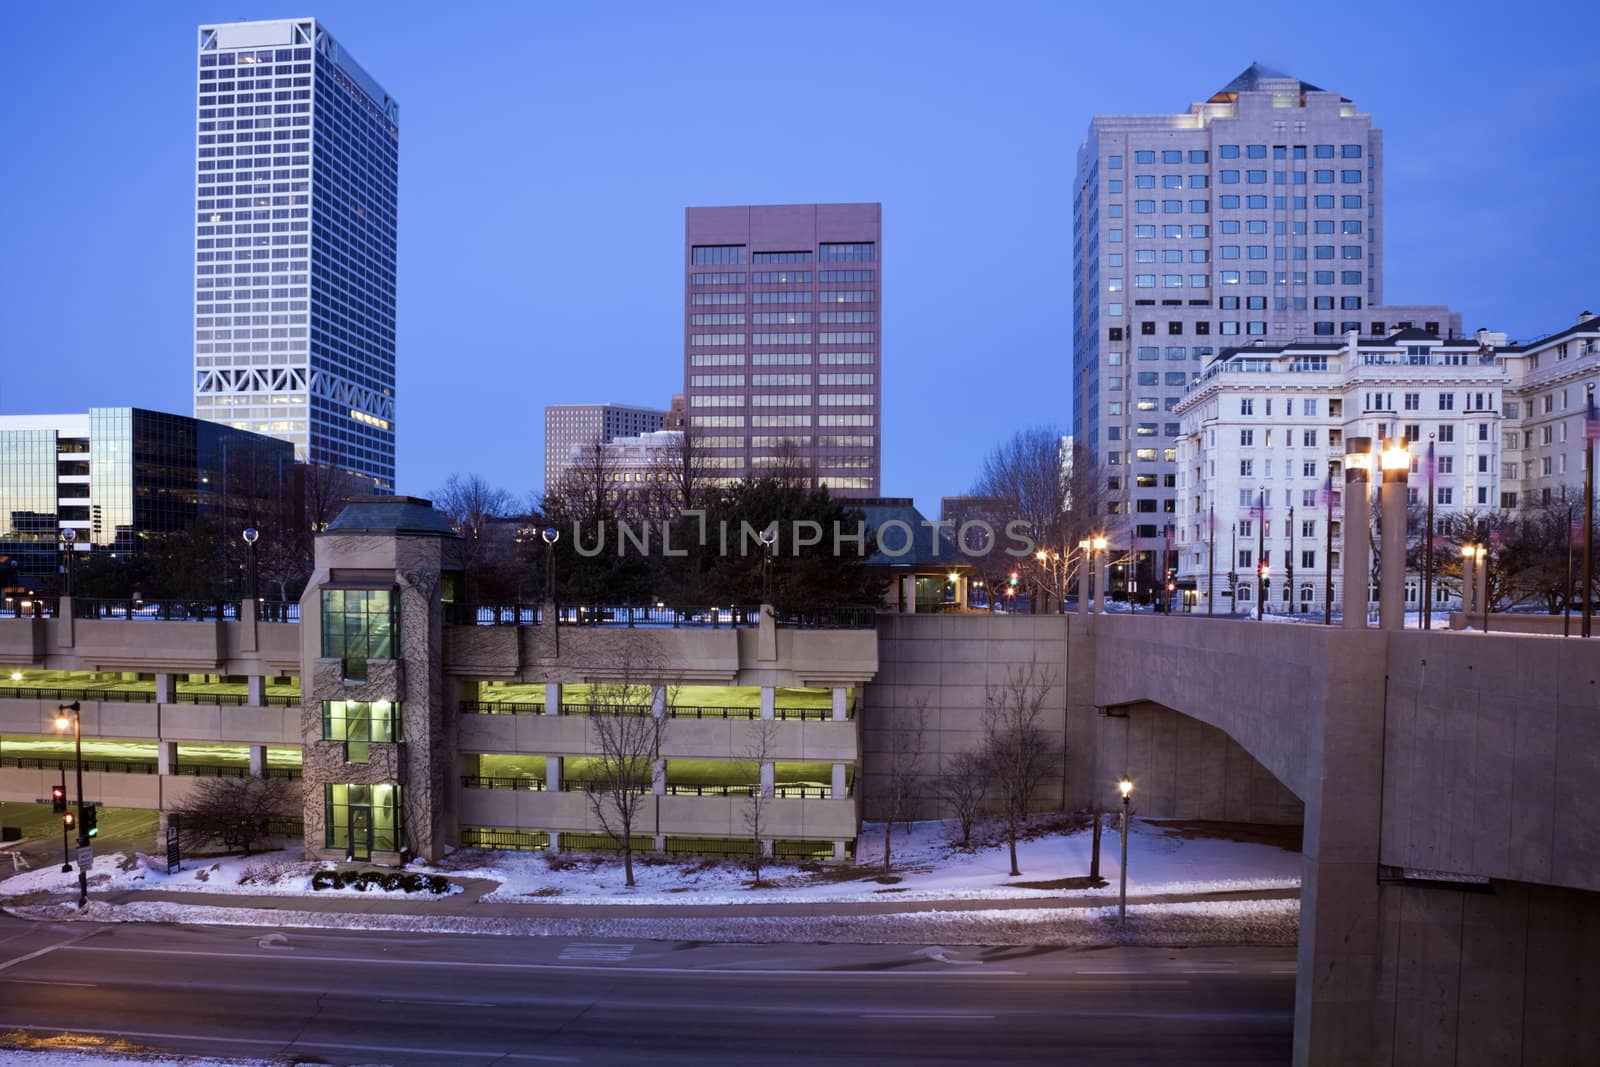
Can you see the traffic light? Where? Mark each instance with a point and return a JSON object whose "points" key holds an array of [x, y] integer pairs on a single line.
{"points": [[58, 799], [91, 814], [1264, 569], [69, 820], [1015, 577], [1172, 579]]}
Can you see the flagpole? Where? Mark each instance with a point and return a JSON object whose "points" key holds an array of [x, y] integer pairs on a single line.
{"points": [[1427, 555], [1589, 425], [1327, 555], [1263, 570], [1566, 599], [1288, 564], [1211, 574]]}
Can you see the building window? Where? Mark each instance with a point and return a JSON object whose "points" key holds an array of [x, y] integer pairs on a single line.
{"points": [[358, 625], [363, 819], [717, 254]]}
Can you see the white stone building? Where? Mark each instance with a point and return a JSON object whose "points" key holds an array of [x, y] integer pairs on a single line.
{"points": [[1262, 443]]}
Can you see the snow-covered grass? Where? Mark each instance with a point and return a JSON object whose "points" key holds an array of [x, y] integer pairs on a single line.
{"points": [[282, 873], [79, 1055], [925, 865]]}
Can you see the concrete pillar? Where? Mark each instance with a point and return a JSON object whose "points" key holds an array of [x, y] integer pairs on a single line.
{"points": [[768, 776], [258, 689], [658, 777], [766, 634], [554, 836], [164, 688], [1392, 582], [1085, 594], [166, 757], [552, 774], [658, 700], [840, 784], [910, 595], [66, 623], [552, 698], [1469, 587], [1104, 580], [1356, 563], [841, 703], [1483, 586], [961, 593], [249, 636], [258, 759], [769, 702], [838, 851]]}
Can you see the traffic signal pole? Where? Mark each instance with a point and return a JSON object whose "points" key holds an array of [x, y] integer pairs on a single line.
{"points": [[58, 804]]}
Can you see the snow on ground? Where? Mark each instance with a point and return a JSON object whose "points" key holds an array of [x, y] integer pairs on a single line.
{"points": [[1234, 922], [63, 1057], [281, 873], [925, 867]]}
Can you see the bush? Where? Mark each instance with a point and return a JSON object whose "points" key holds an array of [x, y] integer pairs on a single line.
{"points": [[390, 881]]}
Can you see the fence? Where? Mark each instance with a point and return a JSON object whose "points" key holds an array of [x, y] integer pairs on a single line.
{"points": [[501, 707], [143, 696], [28, 607], [474, 781], [509, 840], [187, 770]]}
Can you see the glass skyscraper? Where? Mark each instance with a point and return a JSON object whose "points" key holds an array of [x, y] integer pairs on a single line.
{"points": [[296, 171]]}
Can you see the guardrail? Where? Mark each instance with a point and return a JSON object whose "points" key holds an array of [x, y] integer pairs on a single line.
{"points": [[714, 618], [28, 607], [846, 617], [475, 781]]}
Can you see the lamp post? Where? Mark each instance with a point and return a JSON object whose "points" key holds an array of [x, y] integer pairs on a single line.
{"points": [[251, 535], [550, 535], [1396, 461], [1357, 559], [68, 537], [76, 721], [1469, 581], [769, 537], [1483, 584], [1125, 787], [1085, 560], [1101, 546]]}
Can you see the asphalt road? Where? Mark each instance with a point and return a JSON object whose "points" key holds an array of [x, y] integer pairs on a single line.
{"points": [[400, 998]]}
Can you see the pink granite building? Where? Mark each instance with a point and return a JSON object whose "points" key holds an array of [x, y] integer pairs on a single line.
{"points": [[782, 340]]}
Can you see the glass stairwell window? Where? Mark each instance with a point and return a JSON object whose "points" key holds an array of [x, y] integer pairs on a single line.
{"points": [[360, 724], [358, 625]]}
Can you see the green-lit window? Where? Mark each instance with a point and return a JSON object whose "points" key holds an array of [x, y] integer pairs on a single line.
{"points": [[363, 819], [358, 625], [360, 724]]}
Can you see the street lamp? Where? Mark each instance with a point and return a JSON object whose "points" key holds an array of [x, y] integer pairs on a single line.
{"points": [[769, 537], [75, 720], [1125, 787], [550, 535], [1483, 584], [1469, 583], [251, 535], [68, 537]]}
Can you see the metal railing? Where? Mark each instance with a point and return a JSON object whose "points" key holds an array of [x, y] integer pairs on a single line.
{"points": [[501, 707], [475, 781], [714, 618], [844, 617], [143, 696], [187, 770], [605, 709], [781, 791], [705, 711], [493, 615], [277, 611], [28, 607], [509, 840]]}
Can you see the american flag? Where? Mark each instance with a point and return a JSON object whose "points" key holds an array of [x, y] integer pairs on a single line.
{"points": [[1325, 494], [1591, 420]]}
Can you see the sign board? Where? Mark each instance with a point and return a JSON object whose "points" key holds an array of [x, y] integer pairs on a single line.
{"points": [[85, 857], [174, 860]]}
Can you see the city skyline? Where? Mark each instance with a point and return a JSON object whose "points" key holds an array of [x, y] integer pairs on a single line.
{"points": [[1459, 222]]}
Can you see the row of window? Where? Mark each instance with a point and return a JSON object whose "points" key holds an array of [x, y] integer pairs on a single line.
{"points": [[779, 359], [797, 440], [1231, 151], [736, 421]]}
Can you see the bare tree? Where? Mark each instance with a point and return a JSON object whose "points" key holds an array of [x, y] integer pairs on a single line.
{"points": [[1021, 756], [903, 744], [586, 487], [962, 787], [628, 731], [480, 513], [758, 754], [680, 474], [233, 812]]}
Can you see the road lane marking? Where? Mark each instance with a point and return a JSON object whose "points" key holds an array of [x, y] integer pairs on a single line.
{"points": [[489, 966], [297, 1042], [46, 981], [596, 950]]}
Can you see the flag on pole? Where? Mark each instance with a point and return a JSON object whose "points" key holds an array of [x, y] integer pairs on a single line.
{"points": [[1325, 497], [1591, 421]]}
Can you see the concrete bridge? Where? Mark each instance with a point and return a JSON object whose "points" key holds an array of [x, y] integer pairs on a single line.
{"points": [[1449, 784]]}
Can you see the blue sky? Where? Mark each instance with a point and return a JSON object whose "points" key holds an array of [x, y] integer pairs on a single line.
{"points": [[548, 152]]}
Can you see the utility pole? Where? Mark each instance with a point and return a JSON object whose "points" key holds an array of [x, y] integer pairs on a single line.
{"points": [[1327, 554], [1262, 567], [1288, 564], [1427, 550], [1211, 550], [1590, 425]]}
